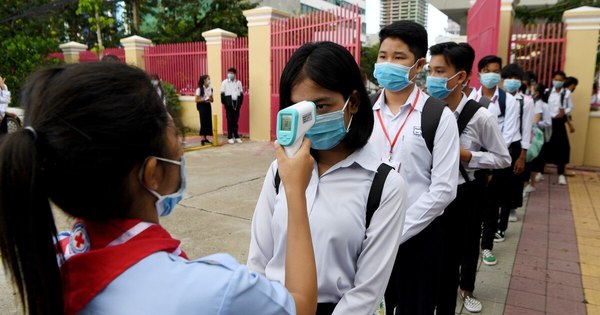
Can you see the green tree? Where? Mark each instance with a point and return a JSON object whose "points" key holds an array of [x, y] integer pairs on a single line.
{"points": [[95, 12], [173, 21], [551, 13], [368, 58]]}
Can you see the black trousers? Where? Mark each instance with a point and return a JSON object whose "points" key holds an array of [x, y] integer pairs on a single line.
{"points": [[205, 111], [470, 249], [233, 117], [454, 222], [325, 308], [511, 196], [414, 283], [489, 214]]}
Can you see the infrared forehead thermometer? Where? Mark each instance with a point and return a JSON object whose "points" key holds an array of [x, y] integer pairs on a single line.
{"points": [[292, 124]]}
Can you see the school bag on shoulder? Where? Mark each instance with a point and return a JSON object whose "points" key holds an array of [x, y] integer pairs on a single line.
{"points": [[471, 107], [375, 192]]}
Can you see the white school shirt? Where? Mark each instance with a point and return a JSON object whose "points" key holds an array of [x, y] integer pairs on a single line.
{"points": [[554, 102], [232, 88], [207, 93], [352, 270], [473, 94], [482, 131], [4, 101], [509, 124], [542, 108], [431, 181], [163, 283], [527, 120]]}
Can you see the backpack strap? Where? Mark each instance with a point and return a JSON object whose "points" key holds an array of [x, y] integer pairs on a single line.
{"points": [[502, 102], [376, 191], [562, 98], [463, 120], [521, 105], [430, 119], [485, 102]]}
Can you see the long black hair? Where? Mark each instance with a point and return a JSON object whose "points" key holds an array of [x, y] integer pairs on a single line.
{"points": [[94, 124], [201, 83], [332, 67]]}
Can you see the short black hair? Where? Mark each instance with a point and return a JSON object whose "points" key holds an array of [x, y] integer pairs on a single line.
{"points": [[411, 33], [541, 90], [457, 55], [332, 67], [559, 72], [483, 62], [512, 70], [530, 75], [570, 81], [232, 70]]}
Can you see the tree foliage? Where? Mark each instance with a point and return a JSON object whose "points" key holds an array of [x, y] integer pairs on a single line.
{"points": [[95, 11], [168, 21], [551, 13], [368, 58]]}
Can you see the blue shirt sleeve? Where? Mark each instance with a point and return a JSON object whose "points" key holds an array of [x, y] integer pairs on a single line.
{"points": [[251, 293]]}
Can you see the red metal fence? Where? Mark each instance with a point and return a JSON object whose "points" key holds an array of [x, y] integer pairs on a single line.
{"points": [[90, 56], [234, 54], [539, 48], [483, 20], [179, 64], [340, 25]]}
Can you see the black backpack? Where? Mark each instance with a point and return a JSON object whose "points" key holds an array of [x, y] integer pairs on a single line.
{"points": [[463, 120], [374, 193], [485, 102]]}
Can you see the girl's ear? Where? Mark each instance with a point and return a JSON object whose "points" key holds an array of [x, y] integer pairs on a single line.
{"points": [[354, 102]]}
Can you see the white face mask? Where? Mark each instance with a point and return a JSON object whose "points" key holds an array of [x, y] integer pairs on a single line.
{"points": [[154, 82], [207, 82]]}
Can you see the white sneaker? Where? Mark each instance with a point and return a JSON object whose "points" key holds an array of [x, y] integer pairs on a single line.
{"points": [[529, 189], [472, 304], [238, 140], [512, 217], [562, 180], [539, 177], [488, 257], [230, 141]]}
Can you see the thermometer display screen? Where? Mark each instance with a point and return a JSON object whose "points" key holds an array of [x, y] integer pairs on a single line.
{"points": [[286, 122]]}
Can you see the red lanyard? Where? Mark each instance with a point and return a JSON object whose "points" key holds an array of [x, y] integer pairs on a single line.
{"points": [[393, 143]]}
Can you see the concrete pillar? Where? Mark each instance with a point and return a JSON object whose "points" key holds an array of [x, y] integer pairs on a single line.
{"points": [[259, 53], [134, 50], [507, 13], [583, 26], [214, 40], [71, 51]]}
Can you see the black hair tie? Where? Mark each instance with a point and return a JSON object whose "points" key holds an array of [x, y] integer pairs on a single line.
{"points": [[32, 132]]}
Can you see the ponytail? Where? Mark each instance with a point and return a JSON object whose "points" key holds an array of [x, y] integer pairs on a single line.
{"points": [[27, 228]]}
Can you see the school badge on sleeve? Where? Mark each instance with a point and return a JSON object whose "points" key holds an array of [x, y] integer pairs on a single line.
{"points": [[80, 240]]}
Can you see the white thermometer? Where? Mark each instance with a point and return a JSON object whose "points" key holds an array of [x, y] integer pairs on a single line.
{"points": [[292, 124]]}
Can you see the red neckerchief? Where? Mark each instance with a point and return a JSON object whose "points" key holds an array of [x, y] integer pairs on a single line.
{"points": [[98, 252]]}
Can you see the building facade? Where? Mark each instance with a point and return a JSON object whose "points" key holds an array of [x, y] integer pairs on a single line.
{"points": [[395, 10]]}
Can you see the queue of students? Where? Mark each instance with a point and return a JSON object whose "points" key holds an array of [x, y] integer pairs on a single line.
{"points": [[381, 208]]}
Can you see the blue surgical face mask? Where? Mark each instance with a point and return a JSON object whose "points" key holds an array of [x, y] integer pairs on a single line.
{"points": [[437, 86], [230, 76], [490, 79], [512, 85], [557, 84], [165, 204], [393, 76], [329, 130]]}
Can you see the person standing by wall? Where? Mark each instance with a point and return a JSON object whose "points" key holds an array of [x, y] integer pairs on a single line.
{"points": [[204, 96], [232, 97], [4, 101]]}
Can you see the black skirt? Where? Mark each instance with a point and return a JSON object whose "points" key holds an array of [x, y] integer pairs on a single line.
{"points": [[558, 148], [205, 110]]}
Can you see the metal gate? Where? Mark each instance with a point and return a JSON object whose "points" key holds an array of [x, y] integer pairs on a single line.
{"points": [[539, 48]]}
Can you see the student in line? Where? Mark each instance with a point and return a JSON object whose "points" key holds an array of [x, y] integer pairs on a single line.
{"points": [[117, 259], [542, 119], [354, 251], [504, 107], [561, 105], [571, 84], [512, 77], [427, 159], [450, 62]]}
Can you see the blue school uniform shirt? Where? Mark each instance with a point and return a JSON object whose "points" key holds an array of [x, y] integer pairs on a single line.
{"points": [[164, 283]]}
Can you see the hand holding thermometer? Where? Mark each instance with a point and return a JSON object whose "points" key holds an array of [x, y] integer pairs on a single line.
{"points": [[293, 123]]}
